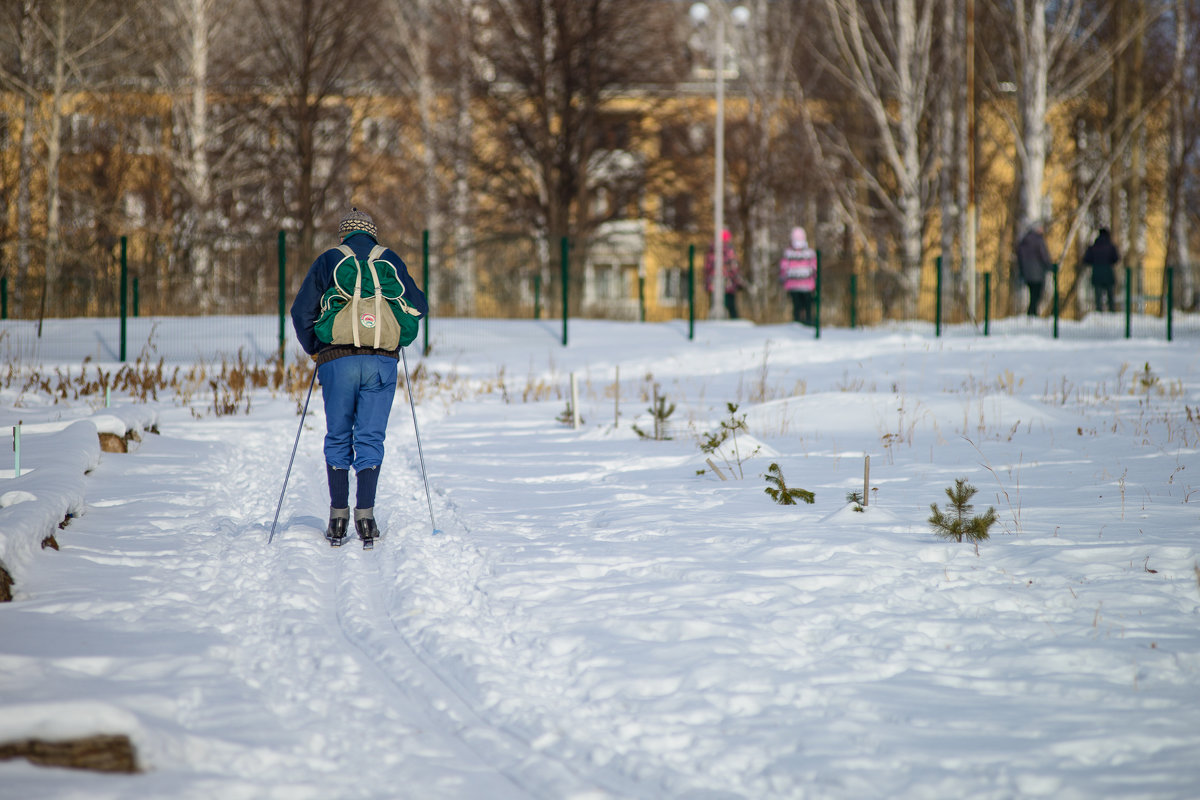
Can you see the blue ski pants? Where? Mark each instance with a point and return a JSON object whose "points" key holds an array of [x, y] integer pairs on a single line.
{"points": [[358, 392]]}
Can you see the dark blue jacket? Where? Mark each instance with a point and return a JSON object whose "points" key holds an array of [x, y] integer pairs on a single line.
{"points": [[306, 308], [1101, 256]]}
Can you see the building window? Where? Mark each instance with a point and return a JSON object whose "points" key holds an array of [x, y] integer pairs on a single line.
{"points": [[672, 285]]}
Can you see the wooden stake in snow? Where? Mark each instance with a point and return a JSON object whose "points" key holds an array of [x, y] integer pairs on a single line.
{"points": [[714, 468], [866, 479], [574, 402], [617, 398]]}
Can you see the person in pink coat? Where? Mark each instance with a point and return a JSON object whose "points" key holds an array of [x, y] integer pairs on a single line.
{"points": [[798, 272], [730, 270]]}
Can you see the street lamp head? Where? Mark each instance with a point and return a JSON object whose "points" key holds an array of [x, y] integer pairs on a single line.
{"points": [[740, 15], [699, 13]]}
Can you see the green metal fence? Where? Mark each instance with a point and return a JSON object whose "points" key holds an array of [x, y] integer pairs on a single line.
{"points": [[503, 283]]}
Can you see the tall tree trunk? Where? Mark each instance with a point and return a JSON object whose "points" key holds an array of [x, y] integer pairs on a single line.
{"points": [[1178, 252], [27, 52], [1033, 92], [949, 97], [461, 154], [54, 156], [199, 177]]}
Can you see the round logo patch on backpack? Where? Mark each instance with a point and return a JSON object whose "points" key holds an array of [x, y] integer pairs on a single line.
{"points": [[367, 320]]}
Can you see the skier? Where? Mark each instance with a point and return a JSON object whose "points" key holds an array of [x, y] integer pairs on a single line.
{"points": [[798, 272], [358, 377]]}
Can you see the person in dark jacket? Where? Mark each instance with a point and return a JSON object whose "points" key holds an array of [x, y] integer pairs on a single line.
{"points": [[1033, 259], [358, 383], [1102, 256]]}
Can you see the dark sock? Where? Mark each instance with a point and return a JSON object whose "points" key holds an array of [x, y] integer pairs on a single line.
{"points": [[368, 480], [339, 486]]}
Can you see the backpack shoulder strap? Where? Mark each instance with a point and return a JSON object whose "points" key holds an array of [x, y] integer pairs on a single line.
{"points": [[347, 255]]}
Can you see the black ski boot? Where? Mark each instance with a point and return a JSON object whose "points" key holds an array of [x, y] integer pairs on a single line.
{"points": [[364, 523], [339, 521]]}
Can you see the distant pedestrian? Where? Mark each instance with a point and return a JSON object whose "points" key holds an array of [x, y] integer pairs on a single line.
{"points": [[1033, 259], [1102, 256], [798, 272], [356, 308], [730, 270]]}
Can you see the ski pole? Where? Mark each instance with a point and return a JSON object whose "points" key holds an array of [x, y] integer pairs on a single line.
{"points": [[417, 434], [288, 474]]}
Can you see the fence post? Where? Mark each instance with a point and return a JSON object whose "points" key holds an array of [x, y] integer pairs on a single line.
{"points": [[1128, 302], [565, 288], [642, 298], [937, 302], [282, 257], [1170, 301], [853, 301], [817, 301], [136, 298], [1055, 306], [425, 285], [4, 297], [124, 292], [987, 302], [691, 292], [537, 295]]}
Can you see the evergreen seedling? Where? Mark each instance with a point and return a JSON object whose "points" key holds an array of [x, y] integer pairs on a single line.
{"points": [[660, 412], [711, 443], [855, 499], [958, 523], [779, 491]]}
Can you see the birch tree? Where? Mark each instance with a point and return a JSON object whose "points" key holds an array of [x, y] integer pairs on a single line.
{"points": [[431, 61], [759, 152], [74, 38], [1184, 130], [881, 55], [191, 33]]}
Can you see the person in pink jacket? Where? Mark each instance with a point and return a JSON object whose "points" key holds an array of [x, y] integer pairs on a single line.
{"points": [[730, 270], [798, 272]]}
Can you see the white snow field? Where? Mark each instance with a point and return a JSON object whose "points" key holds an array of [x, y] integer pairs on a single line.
{"points": [[598, 619]]}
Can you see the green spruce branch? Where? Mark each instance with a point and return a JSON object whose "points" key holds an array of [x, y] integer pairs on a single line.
{"points": [[779, 491]]}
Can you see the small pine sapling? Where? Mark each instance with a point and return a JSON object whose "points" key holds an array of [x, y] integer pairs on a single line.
{"points": [[779, 491], [567, 417], [660, 411], [855, 499], [957, 523], [711, 443]]}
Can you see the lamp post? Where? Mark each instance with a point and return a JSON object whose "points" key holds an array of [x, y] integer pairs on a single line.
{"points": [[699, 13]]}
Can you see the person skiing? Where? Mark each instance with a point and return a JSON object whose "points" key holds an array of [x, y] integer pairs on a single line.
{"points": [[1101, 256], [729, 269], [357, 369], [798, 272], [1033, 259]]}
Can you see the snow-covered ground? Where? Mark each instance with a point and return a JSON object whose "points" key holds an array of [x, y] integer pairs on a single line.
{"points": [[601, 620]]}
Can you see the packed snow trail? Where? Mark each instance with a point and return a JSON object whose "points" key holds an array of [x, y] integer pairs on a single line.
{"points": [[300, 682]]}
